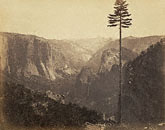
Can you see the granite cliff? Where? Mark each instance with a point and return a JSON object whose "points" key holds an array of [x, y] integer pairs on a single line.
{"points": [[29, 55]]}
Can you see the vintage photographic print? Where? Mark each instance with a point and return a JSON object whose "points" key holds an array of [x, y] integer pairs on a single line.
{"points": [[82, 64]]}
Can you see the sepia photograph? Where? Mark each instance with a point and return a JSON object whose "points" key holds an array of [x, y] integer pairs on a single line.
{"points": [[82, 64]]}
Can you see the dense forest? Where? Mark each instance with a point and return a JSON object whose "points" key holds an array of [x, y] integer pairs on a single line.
{"points": [[30, 108], [143, 89]]}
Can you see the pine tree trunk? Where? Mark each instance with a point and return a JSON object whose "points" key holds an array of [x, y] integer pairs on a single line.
{"points": [[88, 90], [120, 73]]}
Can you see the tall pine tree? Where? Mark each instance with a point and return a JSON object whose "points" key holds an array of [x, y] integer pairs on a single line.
{"points": [[120, 18]]}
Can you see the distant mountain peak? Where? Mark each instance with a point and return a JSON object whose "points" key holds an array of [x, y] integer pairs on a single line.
{"points": [[130, 37]]}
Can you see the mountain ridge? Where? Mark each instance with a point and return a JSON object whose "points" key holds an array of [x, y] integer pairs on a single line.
{"points": [[72, 58], [143, 87]]}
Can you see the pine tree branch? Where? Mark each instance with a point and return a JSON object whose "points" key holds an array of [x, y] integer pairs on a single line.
{"points": [[127, 19], [117, 12], [124, 26], [112, 15], [113, 21], [113, 18], [125, 15], [125, 22], [117, 7], [112, 25], [124, 9], [125, 5], [124, 2], [128, 24]]}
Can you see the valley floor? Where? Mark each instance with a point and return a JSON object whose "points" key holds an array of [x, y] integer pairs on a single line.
{"points": [[160, 126]]}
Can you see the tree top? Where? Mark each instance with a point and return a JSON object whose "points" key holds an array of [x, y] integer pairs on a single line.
{"points": [[120, 2]]}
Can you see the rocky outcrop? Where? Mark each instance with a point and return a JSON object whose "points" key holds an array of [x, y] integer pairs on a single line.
{"points": [[143, 91], [135, 44], [97, 84], [99, 91], [111, 57], [28, 55]]}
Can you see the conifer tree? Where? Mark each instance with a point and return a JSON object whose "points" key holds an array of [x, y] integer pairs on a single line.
{"points": [[120, 18]]}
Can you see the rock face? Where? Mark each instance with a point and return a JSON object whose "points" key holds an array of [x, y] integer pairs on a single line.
{"points": [[111, 57], [134, 44], [28, 55], [143, 91], [99, 91], [97, 84]]}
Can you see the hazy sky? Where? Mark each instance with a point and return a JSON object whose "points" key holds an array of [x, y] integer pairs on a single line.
{"points": [[65, 19]]}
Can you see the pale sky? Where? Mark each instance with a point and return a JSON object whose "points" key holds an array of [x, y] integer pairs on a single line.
{"points": [[67, 19]]}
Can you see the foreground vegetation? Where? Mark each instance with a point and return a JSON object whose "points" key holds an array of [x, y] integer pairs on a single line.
{"points": [[25, 107]]}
